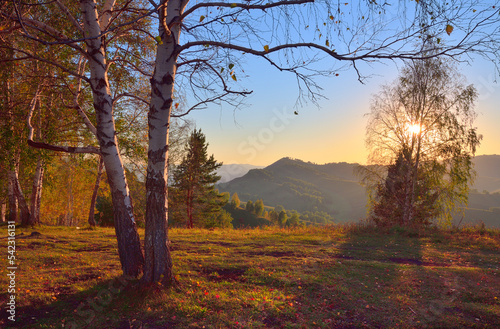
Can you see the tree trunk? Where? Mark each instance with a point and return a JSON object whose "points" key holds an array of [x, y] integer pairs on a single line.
{"points": [[129, 247], [69, 208], [12, 197], [36, 190], [36, 193], [189, 208], [158, 265], [408, 204], [3, 209], [24, 211], [91, 219]]}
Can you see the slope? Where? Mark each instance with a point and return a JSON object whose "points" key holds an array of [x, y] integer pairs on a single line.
{"points": [[304, 186]]}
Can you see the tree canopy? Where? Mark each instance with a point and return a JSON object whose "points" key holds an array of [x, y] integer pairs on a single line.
{"points": [[422, 128]]}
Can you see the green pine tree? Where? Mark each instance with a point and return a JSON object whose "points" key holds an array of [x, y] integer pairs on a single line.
{"points": [[194, 181]]}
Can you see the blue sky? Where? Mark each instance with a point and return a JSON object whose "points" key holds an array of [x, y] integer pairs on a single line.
{"points": [[266, 129]]}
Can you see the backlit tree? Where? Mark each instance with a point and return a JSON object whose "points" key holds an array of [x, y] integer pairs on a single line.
{"points": [[422, 128]]}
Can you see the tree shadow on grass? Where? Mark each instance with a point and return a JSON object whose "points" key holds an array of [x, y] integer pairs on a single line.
{"points": [[359, 278], [389, 280], [101, 306]]}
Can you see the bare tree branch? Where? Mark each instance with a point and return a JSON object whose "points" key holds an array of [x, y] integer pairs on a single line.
{"points": [[130, 95], [244, 5], [50, 62], [41, 145], [76, 104]]}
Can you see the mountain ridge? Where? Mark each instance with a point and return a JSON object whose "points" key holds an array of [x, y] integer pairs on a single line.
{"points": [[336, 189], [303, 186]]}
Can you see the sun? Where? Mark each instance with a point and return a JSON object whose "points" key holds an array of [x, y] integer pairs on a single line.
{"points": [[414, 129]]}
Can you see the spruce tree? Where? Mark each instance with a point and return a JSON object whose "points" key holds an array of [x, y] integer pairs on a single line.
{"points": [[194, 181]]}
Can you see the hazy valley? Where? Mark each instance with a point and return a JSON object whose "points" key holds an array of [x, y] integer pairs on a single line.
{"points": [[335, 189]]}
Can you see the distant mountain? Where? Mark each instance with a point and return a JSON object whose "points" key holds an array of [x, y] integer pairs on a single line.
{"points": [[231, 171], [335, 189], [304, 186], [488, 170]]}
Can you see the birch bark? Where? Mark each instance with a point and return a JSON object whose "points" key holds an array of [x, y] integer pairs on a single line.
{"points": [[91, 219], [129, 247], [36, 193], [12, 197], [158, 265], [24, 211]]}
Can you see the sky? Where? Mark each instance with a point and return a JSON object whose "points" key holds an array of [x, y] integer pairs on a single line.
{"points": [[267, 129]]}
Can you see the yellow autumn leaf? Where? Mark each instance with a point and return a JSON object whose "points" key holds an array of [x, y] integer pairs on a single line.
{"points": [[266, 48], [449, 29]]}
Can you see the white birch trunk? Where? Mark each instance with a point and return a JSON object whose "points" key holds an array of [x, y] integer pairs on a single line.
{"points": [[12, 197], [24, 211], [91, 219], [158, 265], [3, 210], [129, 248], [36, 193], [36, 189]]}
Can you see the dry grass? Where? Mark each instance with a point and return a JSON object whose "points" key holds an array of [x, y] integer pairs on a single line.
{"points": [[331, 277]]}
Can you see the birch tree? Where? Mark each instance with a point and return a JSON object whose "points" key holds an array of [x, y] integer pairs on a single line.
{"points": [[422, 127], [83, 38]]}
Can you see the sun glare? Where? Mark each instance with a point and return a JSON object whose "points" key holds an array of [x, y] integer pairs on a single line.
{"points": [[414, 129]]}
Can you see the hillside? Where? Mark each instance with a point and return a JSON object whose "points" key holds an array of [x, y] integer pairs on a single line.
{"points": [[231, 171], [304, 186], [335, 189], [488, 169]]}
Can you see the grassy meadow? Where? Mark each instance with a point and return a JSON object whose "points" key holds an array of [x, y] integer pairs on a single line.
{"points": [[330, 277]]}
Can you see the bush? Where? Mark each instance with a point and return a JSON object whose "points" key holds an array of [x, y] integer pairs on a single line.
{"points": [[222, 219], [104, 213]]}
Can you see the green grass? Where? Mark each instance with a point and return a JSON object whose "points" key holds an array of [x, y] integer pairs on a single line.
{"points": [[330, 277]]}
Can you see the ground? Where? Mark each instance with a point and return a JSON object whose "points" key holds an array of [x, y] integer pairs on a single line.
{"points": [[330, 277]]}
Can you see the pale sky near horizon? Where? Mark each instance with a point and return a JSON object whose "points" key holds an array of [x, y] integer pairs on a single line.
{"points": [[267, 129]]}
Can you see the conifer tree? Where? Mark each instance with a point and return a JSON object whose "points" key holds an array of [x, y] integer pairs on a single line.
{"points": [[194, 181]]}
